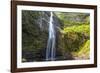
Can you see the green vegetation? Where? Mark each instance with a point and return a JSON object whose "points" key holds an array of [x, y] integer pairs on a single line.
{"points": [[75, 34], [33, 38], [85, 29], [69, 18], [72, 40], [83, 51]]}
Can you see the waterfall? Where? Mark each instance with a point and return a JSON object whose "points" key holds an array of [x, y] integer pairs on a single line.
{"points": [[50, 50]]}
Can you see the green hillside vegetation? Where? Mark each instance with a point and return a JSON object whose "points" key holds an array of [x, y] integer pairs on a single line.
{"points": [[72, 40], [85, 29], [69, 18], [84, 50], [75, 34]]}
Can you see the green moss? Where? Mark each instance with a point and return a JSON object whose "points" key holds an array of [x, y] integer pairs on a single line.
{"points": [[74, 36], [85, 29], [75, 40], [84, 50]]}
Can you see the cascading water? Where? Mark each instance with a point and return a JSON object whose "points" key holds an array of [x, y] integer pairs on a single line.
{"points": [[50, 50]]}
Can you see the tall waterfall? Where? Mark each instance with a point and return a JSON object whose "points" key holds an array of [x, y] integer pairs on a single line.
{"points": [[50, 50]]}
